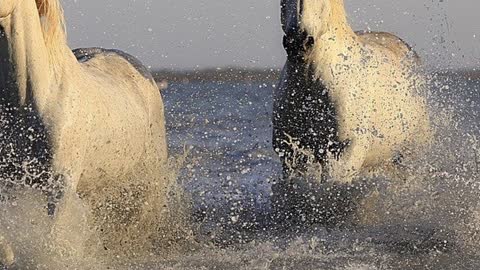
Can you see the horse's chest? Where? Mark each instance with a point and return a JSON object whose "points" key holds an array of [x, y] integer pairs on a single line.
{"points": [[307, 114]]}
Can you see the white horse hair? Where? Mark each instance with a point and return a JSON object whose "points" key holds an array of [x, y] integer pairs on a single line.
{"points": [[353, 100], [96, 116]]}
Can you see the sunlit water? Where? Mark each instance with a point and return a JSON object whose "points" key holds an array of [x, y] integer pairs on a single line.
{"points": [[427, 217]]}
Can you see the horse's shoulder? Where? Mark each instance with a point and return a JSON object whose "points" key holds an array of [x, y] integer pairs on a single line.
{"points": [[390, 42], [84, 55]]}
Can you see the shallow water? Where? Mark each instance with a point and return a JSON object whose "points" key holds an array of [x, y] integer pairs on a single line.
{"points": [[429, 219]]}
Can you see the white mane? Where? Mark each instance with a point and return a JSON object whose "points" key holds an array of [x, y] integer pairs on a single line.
{"points": [[321, 16], [53, 25]]}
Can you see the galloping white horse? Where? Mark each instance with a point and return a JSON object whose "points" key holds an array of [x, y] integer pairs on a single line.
{"points": [[349, 101], [99, 112]]}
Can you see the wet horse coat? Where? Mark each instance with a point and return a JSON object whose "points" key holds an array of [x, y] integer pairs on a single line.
{"points": [[84, 122], [347, 100]]}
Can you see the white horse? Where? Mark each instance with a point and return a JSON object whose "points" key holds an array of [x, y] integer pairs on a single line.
{"points": [[94, 118], [351, 101]]}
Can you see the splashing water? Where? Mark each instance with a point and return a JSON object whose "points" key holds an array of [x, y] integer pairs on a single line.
{"points": [[425, 215], [126, 225]]}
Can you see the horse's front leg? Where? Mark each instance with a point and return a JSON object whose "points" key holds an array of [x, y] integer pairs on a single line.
{"points": [[344, 168], [68, 231]]}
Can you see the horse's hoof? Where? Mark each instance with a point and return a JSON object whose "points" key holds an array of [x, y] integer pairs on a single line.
{"points": [[7, 257]]}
